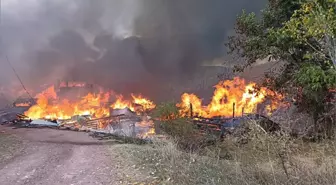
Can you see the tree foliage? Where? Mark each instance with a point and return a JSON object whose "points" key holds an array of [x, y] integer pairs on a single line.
{"points": [[303, 35]]}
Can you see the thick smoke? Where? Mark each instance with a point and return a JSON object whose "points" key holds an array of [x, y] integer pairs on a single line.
{"points": [[127, 45]]}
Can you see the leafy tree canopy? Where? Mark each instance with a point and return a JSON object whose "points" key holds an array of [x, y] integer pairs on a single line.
{"points": [[303, 35]]}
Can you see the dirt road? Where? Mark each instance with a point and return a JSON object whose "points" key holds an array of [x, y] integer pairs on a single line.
{"points": [[54, 157]]}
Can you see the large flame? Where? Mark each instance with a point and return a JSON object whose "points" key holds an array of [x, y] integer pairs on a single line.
{"points": [[138, 103], [230, 97], [49, 106]]}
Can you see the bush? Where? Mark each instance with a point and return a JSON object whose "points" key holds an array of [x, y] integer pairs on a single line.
{"points": [[166, 111], [182, 130]]}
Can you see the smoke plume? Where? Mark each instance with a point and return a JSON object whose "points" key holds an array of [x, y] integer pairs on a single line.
{"points": [[127, 45]]}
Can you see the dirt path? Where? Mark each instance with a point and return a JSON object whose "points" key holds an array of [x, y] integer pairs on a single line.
{"points": [[54, 157]]}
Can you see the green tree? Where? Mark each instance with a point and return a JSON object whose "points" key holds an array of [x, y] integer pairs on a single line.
{"points": [[302, 35]]}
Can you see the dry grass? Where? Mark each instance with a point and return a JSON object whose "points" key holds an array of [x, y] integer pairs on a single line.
{"points": [[264, 159]]}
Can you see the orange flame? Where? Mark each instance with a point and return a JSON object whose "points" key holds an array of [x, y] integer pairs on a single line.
{"points": [[121, 103], [230, 95], [144, 103], [48, 93], [22, 104], [49, 106]]}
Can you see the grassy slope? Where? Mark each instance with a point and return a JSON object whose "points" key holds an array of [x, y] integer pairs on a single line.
{"points": [[264, 160]]}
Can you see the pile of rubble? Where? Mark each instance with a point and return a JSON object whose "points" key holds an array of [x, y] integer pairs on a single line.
{"points": [[125, 123], [237, 124], [121, 122]]}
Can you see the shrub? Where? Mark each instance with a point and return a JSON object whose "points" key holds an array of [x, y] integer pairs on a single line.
{"points": [[166, 111], [181, 129]]}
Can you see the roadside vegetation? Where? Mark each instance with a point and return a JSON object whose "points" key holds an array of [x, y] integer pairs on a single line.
{"points": [[301, 35], [250, 157]]}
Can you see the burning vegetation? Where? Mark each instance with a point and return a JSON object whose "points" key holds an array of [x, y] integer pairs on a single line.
{"points": [[232, 97]]}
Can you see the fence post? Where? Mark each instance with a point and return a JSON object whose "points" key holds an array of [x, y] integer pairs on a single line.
{"points": [[191, 111], [233, 112]]}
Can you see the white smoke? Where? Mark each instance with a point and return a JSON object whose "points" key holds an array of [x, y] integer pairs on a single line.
{"points": [[123, 23]]}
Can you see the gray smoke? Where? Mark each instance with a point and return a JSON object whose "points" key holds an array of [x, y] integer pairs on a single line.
{"points": [[128, 45]]}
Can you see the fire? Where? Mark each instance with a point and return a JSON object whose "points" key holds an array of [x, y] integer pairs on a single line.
{"points": [[121, 103], [191, 99], [144, 103], [149, 133], [230, 96], [22, 104], [49, 106], [148, 126], [48, 93]]}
